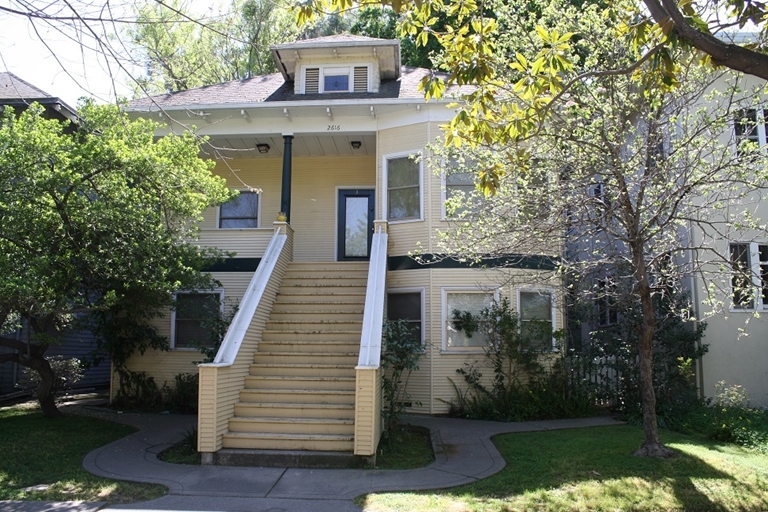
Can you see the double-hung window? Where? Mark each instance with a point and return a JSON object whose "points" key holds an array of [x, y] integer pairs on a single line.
{"points": [[537, 317], [750, 126], [192, 317], [461, 196], [407, 305], [240, 212], [403, 190], [459, 301], [607, 312], [749, 283]]}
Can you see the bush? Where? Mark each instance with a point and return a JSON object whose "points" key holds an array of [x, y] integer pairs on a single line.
{"points": [[183, 397], [402, 350], [522, 388], [67, 372], [139, 392]]}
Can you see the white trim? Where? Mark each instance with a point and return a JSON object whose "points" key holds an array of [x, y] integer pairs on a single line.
{"points": [[258, 210], [553, 301], [421, 291], [444, 291], [172, 338], [419, 154]]}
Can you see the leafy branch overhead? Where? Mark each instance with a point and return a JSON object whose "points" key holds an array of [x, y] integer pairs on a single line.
{"points": [[524, 58]]}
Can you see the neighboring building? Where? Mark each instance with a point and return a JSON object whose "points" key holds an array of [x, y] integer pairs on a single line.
{"points": [[337, 141], [19, 94]]}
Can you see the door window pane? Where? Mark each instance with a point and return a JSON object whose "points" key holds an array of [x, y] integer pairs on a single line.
{"points": [[356, 227]]}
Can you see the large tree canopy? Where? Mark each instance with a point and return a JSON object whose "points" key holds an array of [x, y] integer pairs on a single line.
{"points": [[97, 224]]}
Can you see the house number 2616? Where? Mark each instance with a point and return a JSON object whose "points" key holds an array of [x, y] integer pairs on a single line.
{"points": [[333, 128]]}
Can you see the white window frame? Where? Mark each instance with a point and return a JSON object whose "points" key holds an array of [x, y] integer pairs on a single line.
{"points": [[761, 118], [334, 69], [421, 291], [553, 313], [215, 291], [758, 304], [258, 210], [419, 160], [448, 315]]}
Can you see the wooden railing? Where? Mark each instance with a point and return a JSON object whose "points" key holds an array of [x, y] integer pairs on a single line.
{"points": [[368, 370]]}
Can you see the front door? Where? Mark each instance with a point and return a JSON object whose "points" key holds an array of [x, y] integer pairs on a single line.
{"points": [[355, 224]]}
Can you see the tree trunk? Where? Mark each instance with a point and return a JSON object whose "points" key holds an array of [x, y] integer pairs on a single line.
{"points": [[46, 388], [651, 445]]}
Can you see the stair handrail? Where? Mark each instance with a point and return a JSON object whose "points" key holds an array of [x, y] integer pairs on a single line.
{"points": [[233, 338], [375, 294]]}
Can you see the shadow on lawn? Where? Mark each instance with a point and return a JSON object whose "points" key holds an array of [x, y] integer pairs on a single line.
{"points": [[562, 460]]}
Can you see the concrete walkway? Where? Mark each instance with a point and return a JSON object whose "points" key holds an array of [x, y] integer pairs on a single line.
{"points": [[464, 453]]}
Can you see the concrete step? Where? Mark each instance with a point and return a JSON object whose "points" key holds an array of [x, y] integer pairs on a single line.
{"points": [[300, 346], [296, 410], [304, 369], [289, 425], [297, 395], [290, 459], [299, 382], [280, 441], [311, 336]]}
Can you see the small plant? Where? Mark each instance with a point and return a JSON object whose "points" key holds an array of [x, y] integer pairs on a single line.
{"points": [[138, 391], [401, 354], [731, 396], [182, 398], [67, 372]]}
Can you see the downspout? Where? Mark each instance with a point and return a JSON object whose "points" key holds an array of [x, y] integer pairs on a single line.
{"points": [[285, 195], [696, 306]]}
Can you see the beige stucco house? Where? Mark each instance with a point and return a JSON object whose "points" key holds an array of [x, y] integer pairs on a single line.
{"points": [[338, 142]]}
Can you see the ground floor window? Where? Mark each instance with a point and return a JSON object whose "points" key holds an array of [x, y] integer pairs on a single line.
{"points": [[193, 315], [407, 305], [749, 284], [457, 302], [536, 309]]}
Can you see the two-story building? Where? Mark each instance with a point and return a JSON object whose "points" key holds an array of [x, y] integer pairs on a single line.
{"points": [[331, 160]]}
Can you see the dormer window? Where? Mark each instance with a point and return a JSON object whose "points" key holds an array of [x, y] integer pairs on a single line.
{"points": [[327, 79]]}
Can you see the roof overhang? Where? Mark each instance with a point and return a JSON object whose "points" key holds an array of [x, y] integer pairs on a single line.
{"points": [[387, 51]]}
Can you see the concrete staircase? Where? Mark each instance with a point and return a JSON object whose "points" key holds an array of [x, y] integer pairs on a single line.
{"points": [[300, 394]]}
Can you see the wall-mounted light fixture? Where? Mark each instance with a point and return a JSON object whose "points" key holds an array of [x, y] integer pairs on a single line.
{"points": [[263, 148], [356, 144]]}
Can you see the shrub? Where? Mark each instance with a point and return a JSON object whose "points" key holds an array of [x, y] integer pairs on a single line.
{"points": [[399, 358], [522, 388]]}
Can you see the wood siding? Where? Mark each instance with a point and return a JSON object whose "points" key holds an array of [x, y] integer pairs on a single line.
{"points": [[315, 182]]}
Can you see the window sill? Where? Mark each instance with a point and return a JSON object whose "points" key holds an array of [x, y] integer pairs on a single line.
{"points": [[403, 221]]}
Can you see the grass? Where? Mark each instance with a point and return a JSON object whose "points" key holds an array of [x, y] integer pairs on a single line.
{"points": [[594, 469], [408, 447], [42, 459]]}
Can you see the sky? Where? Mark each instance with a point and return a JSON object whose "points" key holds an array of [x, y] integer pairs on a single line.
{"points": [[77, 72]]}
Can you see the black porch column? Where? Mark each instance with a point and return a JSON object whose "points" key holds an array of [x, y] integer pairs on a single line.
{"points": [[285, 197]]}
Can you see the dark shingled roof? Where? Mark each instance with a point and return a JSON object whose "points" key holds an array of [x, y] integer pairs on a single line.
{"points": [[269, 88], [14, 88]]}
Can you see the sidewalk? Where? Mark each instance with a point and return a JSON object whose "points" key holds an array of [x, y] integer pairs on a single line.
{"points": [[464, 453]]}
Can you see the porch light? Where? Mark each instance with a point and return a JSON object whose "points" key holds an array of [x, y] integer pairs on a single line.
{"points": [[263, 148], [356, 144]]}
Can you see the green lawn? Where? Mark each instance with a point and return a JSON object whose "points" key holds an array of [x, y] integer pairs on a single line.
{"points": [[41, 459], [594, 469]]}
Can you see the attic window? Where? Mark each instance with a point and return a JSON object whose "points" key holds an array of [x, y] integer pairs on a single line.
{"points": [[328, 79]]}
